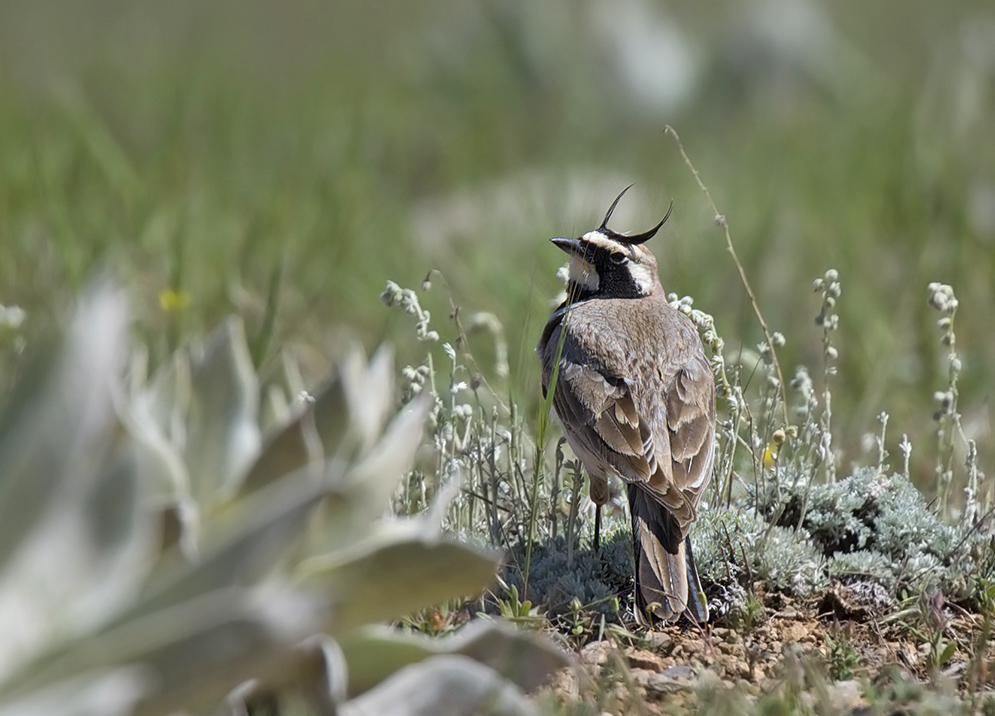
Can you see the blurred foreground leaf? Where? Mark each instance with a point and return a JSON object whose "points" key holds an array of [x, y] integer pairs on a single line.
{"points": [[160, 552], [376, 651]]}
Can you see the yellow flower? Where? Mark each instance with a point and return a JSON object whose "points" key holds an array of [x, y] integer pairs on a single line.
{"points": [[770, 454], [172, 301], [774, 446]]}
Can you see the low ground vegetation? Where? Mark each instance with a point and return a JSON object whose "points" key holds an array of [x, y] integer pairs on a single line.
{"points": [[831, 592]]}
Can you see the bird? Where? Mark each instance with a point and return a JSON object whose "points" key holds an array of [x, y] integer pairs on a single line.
{"points": [[634, 393]]}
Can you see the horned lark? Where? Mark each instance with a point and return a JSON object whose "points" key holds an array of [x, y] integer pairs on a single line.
{"points": [[635, 395]]}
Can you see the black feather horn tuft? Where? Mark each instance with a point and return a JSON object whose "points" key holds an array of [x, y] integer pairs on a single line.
{"points": [[638, 238]]}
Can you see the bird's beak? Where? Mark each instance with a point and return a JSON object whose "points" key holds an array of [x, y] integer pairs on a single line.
{"points": [[571, 246]]}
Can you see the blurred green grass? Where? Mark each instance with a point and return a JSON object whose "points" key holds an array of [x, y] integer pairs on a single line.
{"points": [[311, 151]]}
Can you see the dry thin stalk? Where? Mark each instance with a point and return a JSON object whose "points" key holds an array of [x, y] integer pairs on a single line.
{"points": [[720, 220]]}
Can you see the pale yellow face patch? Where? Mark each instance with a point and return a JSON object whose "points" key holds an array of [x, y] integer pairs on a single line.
{"points": [[643, 276], [583, 274]]}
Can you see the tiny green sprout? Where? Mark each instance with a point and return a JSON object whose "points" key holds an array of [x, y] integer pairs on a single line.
{"points": [[844, 659]]}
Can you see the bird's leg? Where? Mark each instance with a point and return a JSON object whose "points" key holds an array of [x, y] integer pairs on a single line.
{"points": [[599, 496], [597, 528]]}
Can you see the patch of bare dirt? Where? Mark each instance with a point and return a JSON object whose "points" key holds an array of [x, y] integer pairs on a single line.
{"points": [[820, 651]]}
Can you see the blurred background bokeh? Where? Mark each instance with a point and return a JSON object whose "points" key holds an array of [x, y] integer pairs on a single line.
{"points": [[283, 160]]}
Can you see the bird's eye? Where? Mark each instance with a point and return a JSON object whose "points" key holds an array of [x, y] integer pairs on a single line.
{"points": [[617, 257]]}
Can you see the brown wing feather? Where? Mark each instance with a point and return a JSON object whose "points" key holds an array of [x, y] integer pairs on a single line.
{"points": [[598, 411], [590, 404], [691, 424]]}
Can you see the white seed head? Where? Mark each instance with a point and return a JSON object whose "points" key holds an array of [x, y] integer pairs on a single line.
{"points": [[391, 295], [11, 316]]}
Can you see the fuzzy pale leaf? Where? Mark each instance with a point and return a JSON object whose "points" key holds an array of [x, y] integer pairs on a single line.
{"points": [[223, 435], [195, 652], [67, 522], [59, 415], [376, 651], [257, 535], [370, 484], [452, 685], [314, 427], [103, 692], [397, 572], [369, 390]]}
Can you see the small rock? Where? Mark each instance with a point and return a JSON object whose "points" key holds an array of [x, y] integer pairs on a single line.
{"points": [[595, 653], [675, 678], [727, 648], [797, 633], [641, 677], [658, 640], [693, 647], [955, 669], [842, 697], [846, 695], [640, 659], [680, 671]]}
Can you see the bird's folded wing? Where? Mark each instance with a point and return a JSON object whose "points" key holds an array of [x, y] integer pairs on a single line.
{"points": [[602, 416], [687, 429], [691, 426], [670, 455]]}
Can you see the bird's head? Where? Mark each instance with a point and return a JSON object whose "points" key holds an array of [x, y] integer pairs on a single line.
{"points": [[606, 264]]}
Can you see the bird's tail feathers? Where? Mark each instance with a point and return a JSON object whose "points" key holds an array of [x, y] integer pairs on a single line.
{"points": [[667, 582]]}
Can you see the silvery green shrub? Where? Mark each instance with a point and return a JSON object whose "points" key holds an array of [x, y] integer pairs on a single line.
{"points": [[168, 544]]}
